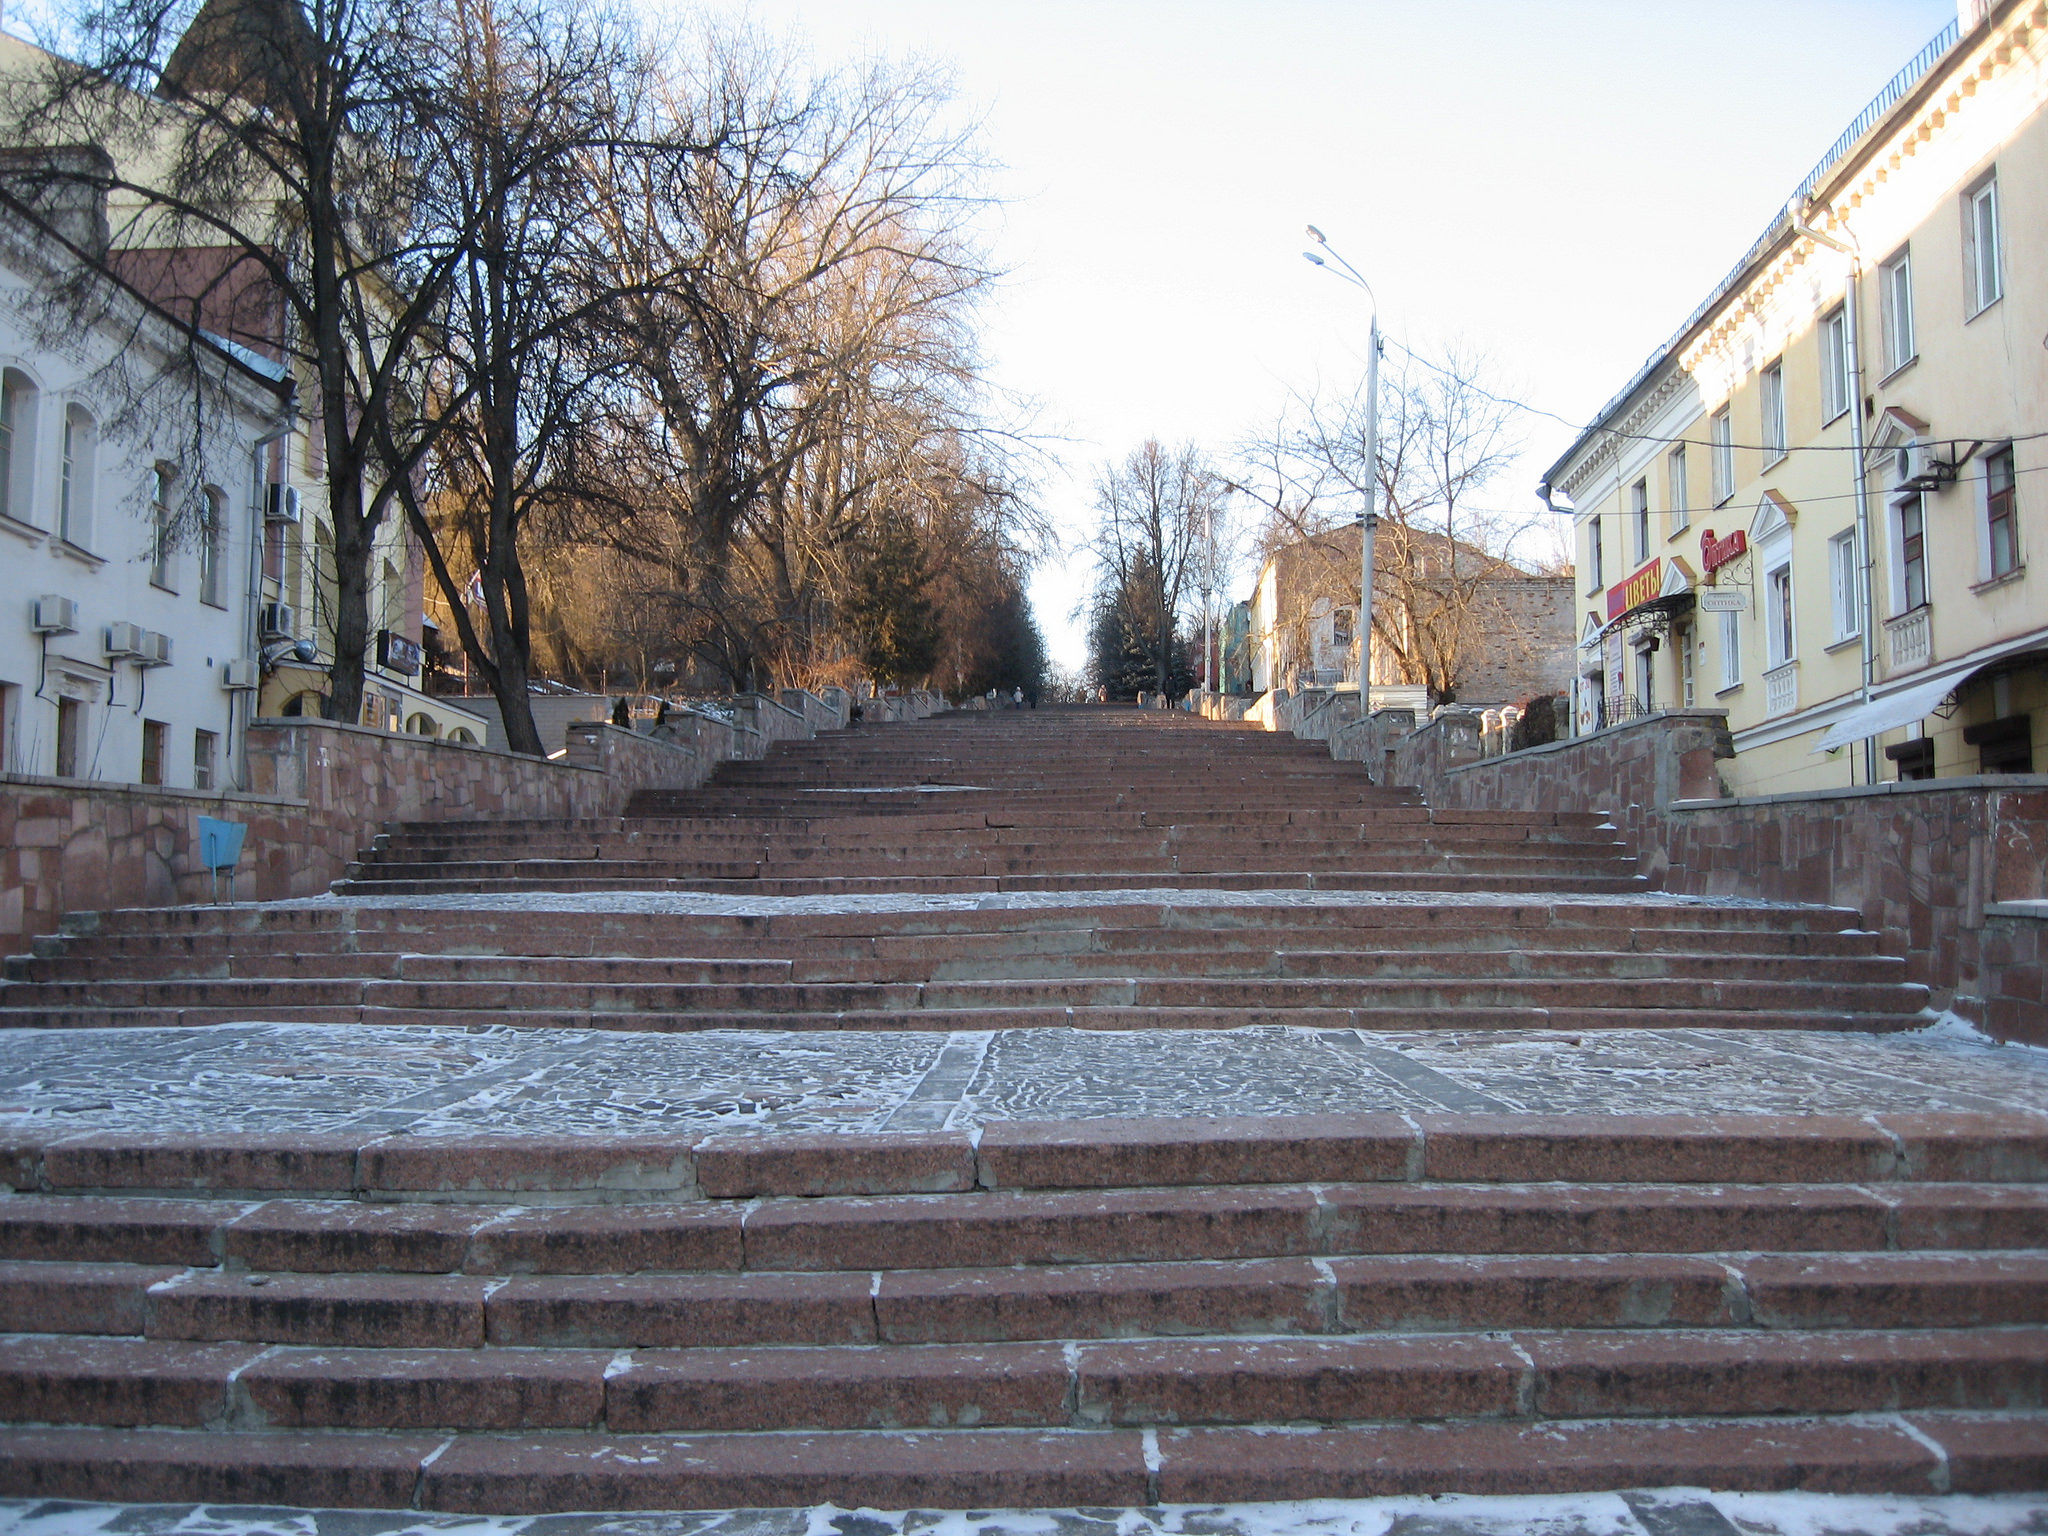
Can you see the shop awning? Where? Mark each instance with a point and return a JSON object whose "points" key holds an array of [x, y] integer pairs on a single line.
{"points": [[1888, 713]]}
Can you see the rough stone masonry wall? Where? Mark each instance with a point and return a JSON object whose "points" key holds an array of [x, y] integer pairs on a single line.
{"points": [[319, 792], [1922, 862]]}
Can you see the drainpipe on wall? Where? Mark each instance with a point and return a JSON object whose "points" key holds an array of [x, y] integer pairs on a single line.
{"points": [[1853, 339]]}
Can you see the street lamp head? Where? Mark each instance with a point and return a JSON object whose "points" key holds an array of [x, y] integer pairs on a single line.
{"points": [[1312, 256], [1316, 235]]}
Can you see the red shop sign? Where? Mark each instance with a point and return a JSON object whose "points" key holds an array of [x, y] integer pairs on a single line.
{"points": [[1715, 553], [1636, 591]]}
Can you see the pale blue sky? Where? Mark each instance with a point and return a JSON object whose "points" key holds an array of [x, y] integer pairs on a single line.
{"points": [[1555, 183]]}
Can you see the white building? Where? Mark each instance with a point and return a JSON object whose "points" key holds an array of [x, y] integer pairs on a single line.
{"points": [[129, 542]]}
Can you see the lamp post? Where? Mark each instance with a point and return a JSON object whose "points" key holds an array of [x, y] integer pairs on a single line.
{"points": [[1369, 521]]}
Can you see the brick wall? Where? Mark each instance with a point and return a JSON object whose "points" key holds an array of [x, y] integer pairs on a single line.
{"points": [[1922, 862], [320, 792]]}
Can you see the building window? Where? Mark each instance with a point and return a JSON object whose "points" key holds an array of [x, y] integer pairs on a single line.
{"points": [[13, 400], [70, 732], [1844, 586], [1912, 554], [161, 488], [153, 734], [1682, 648], [1778, 596], [1895, 296], [1674, 473], [205, 749], [1595, 556], [1731, 650], [1834, 365], [1981, 265], [213, 539], [1646, 678], [1723, 456], [1639, 517], [74, 478], [1774, 412], [2001, 522]]}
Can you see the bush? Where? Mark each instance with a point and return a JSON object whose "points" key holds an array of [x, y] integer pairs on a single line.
{"points": [[1543, 719]]}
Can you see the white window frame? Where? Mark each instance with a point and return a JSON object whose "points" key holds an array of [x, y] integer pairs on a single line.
{"points": [[1772, 389], [213, 546], [1596, 555], [162, 489], [1731, 651], [1983, 240], [1639, 516], [1721, 431], [76, 462], [1646, 677], [1781, 615], [1895, 296], [1834, 364], [1845, 586], [1675, 487]]}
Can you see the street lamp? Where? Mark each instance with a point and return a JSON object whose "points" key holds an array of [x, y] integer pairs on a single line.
{"points": [[1369, 522]]}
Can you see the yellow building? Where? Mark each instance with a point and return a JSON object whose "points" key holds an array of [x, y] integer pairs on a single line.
{"points": [[1854, 424]]}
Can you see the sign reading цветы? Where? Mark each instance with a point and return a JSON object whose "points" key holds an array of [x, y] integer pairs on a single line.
{"points": [[1636, 591]]}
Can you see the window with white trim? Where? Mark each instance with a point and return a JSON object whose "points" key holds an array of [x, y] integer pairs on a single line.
{"points": [[1596, 561], [1895, 299], [1983, 272], [161, 489], [17, 433], [1731, 649], [1674, 476], [213, 538], [1778, 617], [1639, 517], [1834, 364], [1844, 585], [1774, 412], [1722, 436], [75, 464]]}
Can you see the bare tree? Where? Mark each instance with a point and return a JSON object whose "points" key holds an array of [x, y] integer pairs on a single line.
{"points": [[542, 105], [1442, 551], [1150, 539], [802, 339]]}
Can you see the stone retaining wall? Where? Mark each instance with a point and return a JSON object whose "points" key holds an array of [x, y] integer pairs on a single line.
{"points": [[1922, 862], [319, 792]]}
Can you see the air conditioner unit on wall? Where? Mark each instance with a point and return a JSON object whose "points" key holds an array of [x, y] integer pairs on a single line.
{"points": [[278, 622], [155, 650], [239, 675], [1920, 467], [56, 616], [124, 640], [280, 502]]}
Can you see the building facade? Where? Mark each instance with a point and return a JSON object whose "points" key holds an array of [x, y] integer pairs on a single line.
{"points": [[127, 649], [1463, 625], [1815, 506]]}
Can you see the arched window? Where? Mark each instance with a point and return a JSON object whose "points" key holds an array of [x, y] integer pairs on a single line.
{"points": [[17, 444], [213, 545], [76, 456], [423, 725], [461, 735]]}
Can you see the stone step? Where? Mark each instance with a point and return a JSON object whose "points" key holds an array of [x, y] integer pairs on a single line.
{"points": [[1133, 1299], [118, 1383], [1891, 1149], [952, 1231], [540, 1472], [950, 885]]}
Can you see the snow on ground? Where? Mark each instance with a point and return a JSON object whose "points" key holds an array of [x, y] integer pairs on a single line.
{"points": [[444, 1081], [1665, 1512]]}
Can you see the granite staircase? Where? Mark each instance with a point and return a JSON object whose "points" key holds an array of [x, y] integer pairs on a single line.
{"points": [[1086, 1313], [1047, 1313]]}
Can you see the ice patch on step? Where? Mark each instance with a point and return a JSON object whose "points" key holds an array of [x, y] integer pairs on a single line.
{"points": [[1953, 1027]]}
